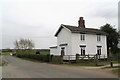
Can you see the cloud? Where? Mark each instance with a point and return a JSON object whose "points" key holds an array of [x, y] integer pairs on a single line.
{"points": [[40, 19]]}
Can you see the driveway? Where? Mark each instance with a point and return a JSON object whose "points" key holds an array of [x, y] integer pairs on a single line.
{"points": [[18, 68]]}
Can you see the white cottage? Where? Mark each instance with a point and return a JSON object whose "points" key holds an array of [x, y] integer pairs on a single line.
{"points": [[72, 40]]}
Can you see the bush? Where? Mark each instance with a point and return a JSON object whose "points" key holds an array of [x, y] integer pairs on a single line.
{"points": [[43, 58]]}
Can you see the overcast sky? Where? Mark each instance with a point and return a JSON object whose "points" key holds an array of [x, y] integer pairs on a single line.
{"points": [[39, 20]]}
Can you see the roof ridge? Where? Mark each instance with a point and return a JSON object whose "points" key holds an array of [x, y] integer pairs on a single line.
{"points": [[78, 27]]}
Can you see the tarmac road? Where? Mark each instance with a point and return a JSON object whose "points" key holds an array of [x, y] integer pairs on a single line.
{"points": [[18, 68]]}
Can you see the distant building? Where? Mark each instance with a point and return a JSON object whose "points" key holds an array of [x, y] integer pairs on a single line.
{"points": [[72, 40]]}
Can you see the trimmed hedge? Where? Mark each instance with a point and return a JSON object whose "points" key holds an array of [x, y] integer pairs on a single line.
{"points": [[43, 58]]}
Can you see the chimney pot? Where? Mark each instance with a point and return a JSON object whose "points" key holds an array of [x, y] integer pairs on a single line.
{"points": [[81, 18], [81, 23]]}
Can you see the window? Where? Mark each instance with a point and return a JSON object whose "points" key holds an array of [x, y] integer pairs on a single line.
{"points": [[98, 37], [82, 37], [82, 50], [99, 50]]}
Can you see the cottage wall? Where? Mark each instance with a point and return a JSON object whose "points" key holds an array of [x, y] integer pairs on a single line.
{"points": [[90, 42], [64, 37], [53, 51]]}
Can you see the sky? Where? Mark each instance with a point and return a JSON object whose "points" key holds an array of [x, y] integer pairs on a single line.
{"points": [[39, 20]]}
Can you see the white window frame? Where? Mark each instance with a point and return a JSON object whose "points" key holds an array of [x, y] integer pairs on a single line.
{"points": [[98, 37], [82, 37]]}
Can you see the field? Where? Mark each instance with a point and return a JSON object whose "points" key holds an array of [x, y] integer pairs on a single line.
{"points": [[33, 51]]}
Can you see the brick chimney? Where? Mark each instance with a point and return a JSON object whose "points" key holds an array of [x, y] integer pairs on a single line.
{"points": [[81, 23]]}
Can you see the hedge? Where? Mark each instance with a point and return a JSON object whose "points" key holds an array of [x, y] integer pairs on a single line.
{"points": [[43, 58]]}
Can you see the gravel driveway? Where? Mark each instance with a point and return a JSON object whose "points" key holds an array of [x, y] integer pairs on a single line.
{"points": [[18, 68]]}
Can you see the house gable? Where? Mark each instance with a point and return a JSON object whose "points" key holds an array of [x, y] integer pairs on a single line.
{"points": [[60, 28]]}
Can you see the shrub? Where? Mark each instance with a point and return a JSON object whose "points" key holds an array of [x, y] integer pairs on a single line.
{"points": [[43, 58]]}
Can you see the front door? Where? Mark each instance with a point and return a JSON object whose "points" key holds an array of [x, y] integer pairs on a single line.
{"points": [[62, 51]]}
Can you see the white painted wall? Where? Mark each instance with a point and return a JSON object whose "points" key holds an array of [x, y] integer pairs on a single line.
{"points": [[53, 51], [63, 37], [90, 42]]}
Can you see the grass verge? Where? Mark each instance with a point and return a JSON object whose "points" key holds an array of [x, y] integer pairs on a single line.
{"points": [[90, 64], [34, 60], [3, 62], [5, 53], [115, 69]]}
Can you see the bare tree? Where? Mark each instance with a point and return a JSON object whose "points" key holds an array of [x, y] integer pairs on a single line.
{"points": [[17, 45], [24, 44]]}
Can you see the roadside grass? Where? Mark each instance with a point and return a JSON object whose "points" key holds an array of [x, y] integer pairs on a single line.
{"points": [[29, 59], [93, 64], [90, 64], [114, 69], [34, 60], [58, 63], [55, 63], [5, 53], [2, 62]]}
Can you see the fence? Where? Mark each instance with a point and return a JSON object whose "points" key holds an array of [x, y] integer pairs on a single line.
{"points": [[89, 57]]}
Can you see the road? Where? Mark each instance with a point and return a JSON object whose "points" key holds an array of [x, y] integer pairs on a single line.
{"points": [[18, 68]]}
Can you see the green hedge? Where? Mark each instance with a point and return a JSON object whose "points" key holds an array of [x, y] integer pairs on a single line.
{"points": [[43, 58]]}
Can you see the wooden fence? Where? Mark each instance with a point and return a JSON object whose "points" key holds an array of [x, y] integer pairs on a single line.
{"points": [[89, 57]]}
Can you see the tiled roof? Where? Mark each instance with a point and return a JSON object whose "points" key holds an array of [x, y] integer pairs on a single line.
{"points": [[75, 29]]}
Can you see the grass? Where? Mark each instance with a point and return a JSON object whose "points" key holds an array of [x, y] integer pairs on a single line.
{"points": [[85, 64], [34, 60], [93, 64], [42, 52], [113, 67], [55, 62], [29, 59], [5, 53], [116, 71], [90, 64], [2, 62]]}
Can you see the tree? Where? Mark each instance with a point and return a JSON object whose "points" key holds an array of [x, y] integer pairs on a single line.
{"points": [[24, 44], [112, 37]]}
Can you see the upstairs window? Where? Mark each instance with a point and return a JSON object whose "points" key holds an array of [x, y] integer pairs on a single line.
{"points": [[82, 37], [98, 37]]}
